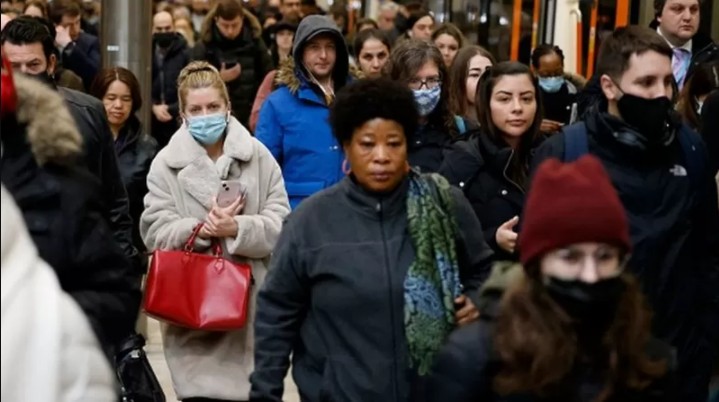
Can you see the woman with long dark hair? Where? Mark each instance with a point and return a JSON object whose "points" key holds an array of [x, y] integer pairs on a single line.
{"points": [[420, 66], [492, 165], [568, 324], [470, 63]]}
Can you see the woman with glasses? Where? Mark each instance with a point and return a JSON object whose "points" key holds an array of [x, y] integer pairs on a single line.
{"points": [[492, 165], [420, 66], [370, 275], [568, 324]]}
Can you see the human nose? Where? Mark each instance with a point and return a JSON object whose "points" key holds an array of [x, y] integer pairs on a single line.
{"points": [[381, 154], [589, 271], [516, 106], [375, 63]]}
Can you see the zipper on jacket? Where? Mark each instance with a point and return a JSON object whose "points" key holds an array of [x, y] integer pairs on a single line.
{"points": [[504, 173], [388, 269], [162, 86]]}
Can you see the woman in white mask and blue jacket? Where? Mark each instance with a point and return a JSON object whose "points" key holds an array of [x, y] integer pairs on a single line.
{"points": [[209, 149], [420, 66]]}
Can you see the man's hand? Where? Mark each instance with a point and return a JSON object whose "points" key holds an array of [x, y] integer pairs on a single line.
{"points": [[62, 36], [230, 74], [162, 113]]}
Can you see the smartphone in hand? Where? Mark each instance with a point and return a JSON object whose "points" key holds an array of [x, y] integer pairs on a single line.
{"points": [[229, 192]]}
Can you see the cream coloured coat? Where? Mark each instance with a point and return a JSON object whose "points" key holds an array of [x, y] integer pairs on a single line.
{"points": [[182, 182]]}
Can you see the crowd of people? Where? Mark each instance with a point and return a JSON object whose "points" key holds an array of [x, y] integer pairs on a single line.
{"points": [[423, 222]]}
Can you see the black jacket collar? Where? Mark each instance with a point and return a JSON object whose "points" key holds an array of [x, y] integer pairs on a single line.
{"points": [[375, 205]]}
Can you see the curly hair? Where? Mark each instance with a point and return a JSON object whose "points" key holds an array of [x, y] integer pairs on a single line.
{"points": [[368, 99]]}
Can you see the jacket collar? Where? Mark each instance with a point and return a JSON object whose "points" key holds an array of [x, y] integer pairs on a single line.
{"points": [[198, 174], [495, 156], [374, 205]]}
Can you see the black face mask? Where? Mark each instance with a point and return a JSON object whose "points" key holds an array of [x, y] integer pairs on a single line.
{"points": [[591, 305], [649, 117], [163, 39]]}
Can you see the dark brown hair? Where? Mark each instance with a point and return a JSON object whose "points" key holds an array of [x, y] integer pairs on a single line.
{"points": [[703, 80], [368, 34], [107, 76], [365, 21], [451, 30], [228, 9], [519, 165], [406, 59], [60, 8], [537, 343], [42, 5], [458, 73], [624, 42]]}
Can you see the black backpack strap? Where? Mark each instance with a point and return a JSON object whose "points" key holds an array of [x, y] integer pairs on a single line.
{"points": [[576, 143]]}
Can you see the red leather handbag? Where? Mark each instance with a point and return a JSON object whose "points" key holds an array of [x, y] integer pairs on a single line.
{"points": [[198, 291]]}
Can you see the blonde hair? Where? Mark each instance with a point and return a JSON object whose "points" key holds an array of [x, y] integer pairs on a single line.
{"points": [[197, 75]]}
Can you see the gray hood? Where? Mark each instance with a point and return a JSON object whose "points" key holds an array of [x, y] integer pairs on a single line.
{"points": [[312, 26]]}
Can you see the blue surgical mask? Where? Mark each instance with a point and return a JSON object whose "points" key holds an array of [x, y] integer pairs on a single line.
{"points": [[208, 129], [551, 84], [427, 100]]}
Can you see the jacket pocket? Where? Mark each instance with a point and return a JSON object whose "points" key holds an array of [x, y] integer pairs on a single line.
{"points": [[298, 191]]}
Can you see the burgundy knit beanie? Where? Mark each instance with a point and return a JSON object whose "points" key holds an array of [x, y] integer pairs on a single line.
{"points": [[571, 203]]}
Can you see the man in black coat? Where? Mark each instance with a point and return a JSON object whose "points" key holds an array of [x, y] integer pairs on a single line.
{"points": [[170, 56], [80, 51], [231, 40], [661, 172], [28, 43], [62, 205]]}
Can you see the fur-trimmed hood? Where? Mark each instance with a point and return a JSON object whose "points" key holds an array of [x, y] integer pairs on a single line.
{"points": [[577, 80], [50, 128], [287, 75], [248, 18]]}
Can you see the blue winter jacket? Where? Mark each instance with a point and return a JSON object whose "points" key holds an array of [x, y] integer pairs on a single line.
{"points": [[294, 124]]}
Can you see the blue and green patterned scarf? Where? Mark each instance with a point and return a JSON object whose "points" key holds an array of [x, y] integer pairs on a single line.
{"points": [[432, 282]]}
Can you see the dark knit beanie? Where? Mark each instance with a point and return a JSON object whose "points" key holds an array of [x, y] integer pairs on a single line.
{"points": [[571, 203]]}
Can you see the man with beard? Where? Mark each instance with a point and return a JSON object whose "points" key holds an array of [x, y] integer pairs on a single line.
{"points": [[28, 43]]}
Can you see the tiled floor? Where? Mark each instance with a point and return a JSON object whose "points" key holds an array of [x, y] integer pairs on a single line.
{"points": [[157, 359]]}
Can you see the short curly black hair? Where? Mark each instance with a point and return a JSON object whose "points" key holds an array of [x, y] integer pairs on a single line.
{"points": [[367, 99]]}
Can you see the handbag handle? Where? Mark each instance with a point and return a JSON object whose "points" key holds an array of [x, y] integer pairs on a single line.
{"points": [[190, 244]]}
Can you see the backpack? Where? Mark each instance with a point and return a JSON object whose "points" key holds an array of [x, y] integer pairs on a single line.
{"points": [[576, 144]]}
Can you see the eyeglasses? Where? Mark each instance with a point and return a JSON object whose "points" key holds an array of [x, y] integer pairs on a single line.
{"points": [[429, 83]]}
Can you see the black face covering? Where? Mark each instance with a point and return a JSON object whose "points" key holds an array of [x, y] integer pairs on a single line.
{"points": [[163, 39], [591, 305], [649, 117]]}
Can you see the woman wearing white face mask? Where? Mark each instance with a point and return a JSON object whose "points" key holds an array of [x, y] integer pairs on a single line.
{"points": [[420, 65], [212, 148]]}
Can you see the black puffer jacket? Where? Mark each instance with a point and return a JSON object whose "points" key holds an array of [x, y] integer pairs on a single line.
{"points": [[674, 226], [479, 167], [249, 50], [467, 364], [64, 211], [166, 69], [427, 149], [98, 156], [135, 152]]}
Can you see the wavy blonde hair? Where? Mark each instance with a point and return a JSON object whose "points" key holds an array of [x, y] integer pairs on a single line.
{"points": [[198, 75]]}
